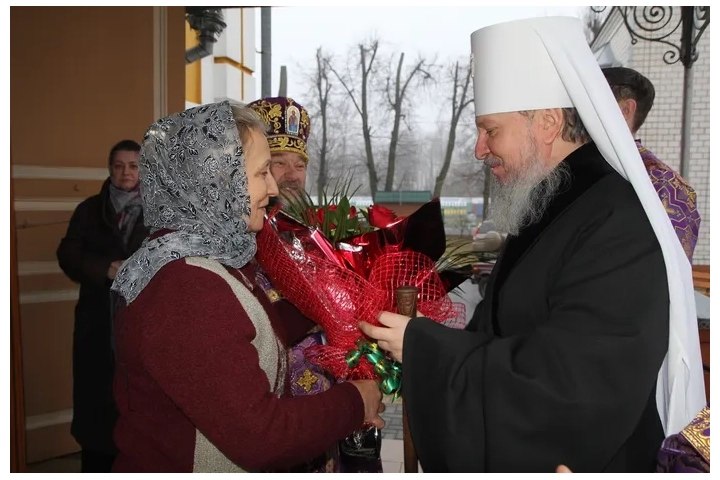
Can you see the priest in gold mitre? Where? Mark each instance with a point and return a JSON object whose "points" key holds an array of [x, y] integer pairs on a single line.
{"points": [[288, 131], [584, 351]]}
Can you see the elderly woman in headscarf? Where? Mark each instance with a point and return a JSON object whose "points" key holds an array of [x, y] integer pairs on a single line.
{"points": [[202, 376], [104, 230]]}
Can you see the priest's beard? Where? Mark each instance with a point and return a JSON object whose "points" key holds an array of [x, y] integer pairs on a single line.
{"points": [[526, 193]]}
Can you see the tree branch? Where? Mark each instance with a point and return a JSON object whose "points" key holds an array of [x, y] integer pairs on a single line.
{"points": [[345, 86]]}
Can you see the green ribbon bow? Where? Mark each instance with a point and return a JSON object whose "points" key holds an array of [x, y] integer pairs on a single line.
{"points": [[389, 371]]}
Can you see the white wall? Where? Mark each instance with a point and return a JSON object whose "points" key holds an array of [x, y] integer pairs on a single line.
{"points": [[249, 54], [228, 72]]}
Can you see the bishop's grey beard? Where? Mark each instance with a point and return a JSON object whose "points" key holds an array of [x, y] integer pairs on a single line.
{"points": [[524, 197]]}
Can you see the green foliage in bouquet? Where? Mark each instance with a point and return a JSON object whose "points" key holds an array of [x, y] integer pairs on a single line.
{"points": [[459, 258], [336, 218]]}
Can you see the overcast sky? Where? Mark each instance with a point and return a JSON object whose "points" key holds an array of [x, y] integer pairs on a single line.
{"points": [[438, 33], [443, 31]]}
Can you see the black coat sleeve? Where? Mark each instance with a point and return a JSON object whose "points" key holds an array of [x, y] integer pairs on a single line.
{"points": [[569, 392], [75, 260]]}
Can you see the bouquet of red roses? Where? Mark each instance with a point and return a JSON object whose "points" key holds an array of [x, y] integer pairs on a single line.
{"points": [[339, 268]]}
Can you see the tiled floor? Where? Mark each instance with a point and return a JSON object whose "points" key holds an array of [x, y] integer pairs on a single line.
{"points": [[393, 457], [393, 420], [392, 447], [392, 453]]}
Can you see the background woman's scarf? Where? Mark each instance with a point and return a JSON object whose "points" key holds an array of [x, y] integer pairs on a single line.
{"points": [[128, 207], [193, 181]]}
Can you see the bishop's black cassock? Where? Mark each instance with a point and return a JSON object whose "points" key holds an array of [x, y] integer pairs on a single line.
{"points": [[560, 361]]}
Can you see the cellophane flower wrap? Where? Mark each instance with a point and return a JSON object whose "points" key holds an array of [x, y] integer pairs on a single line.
{"points": [[340, 281]]}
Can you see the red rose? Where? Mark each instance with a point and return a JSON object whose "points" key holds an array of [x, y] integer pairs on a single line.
{"points": [[380, 217], [321, 216], [353, 212]]}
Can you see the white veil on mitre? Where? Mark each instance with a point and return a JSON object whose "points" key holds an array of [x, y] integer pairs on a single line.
{"points": [[547, 63]]}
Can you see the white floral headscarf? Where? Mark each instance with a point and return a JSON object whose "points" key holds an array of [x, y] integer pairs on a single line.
{"points": [[193, 181]]}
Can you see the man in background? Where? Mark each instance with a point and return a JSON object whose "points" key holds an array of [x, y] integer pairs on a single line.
{"points": [[288, 142], [635, 95]]}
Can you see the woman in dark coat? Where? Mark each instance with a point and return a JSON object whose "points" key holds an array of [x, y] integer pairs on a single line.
{"points": [[104, 230]]}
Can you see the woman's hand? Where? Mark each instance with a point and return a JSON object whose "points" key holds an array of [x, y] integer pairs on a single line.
{"points": [[372, 400]]}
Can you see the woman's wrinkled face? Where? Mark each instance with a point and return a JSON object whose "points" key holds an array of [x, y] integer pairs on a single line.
{"points": [[124, 169], [261, 184]]}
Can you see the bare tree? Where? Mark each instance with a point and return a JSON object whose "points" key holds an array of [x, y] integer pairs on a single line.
{"points": [[460, 83], [408, 149], [323, 87], [368, 53], [342, 142], [334, 144], [396, 90], [467, 176]]}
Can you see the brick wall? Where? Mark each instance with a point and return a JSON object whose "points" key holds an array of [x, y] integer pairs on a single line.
{"points": [[661, 132]]}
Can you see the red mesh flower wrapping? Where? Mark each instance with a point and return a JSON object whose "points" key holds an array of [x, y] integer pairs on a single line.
{"points": [[317, 279]]}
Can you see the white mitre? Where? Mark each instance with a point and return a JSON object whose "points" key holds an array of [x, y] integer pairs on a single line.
{"points": [[546, 62]]}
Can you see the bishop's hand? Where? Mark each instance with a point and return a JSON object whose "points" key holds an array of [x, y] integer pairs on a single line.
{"points": [[390, 335]]}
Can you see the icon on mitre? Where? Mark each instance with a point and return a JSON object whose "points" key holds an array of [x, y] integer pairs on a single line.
{"points": [[293, 120]]}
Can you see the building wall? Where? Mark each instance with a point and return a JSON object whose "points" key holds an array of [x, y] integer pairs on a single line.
{"points": [[661, 132], [616, 36], [228, 72], [82, 78]]}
